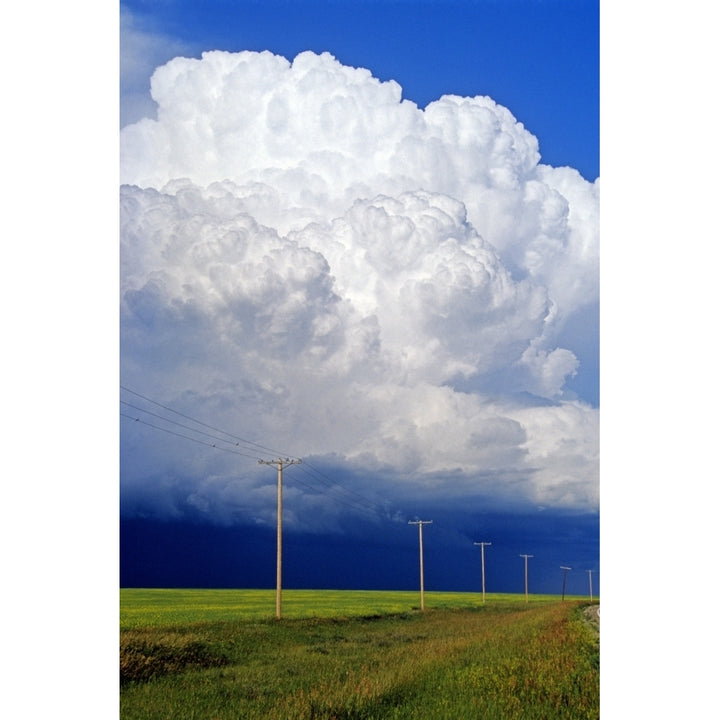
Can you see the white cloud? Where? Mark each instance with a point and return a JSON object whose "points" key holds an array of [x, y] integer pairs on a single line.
{"points": [[325, 267], [321, 135]]}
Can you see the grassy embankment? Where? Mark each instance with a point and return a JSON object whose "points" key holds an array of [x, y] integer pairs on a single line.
{"points": [[221, 654]]}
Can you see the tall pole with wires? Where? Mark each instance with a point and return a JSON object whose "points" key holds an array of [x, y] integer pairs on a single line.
{"points": [[420, 524], [280, 462], [565, 572], [482, 564], [526, 577]]}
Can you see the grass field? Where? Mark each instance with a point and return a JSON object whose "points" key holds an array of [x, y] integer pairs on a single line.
{"points": [[217, 654]]}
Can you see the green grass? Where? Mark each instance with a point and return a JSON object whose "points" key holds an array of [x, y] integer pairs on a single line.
{"points": [[221, 654], [160, 607]]}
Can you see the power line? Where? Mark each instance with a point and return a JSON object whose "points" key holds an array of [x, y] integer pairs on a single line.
{"points": [[173, 422], [200, 422], [351, 498], [185, 437], [333, 490], [334, 483]]}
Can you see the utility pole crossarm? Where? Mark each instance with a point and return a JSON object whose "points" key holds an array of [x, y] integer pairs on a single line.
{"points": [[281, 461]]}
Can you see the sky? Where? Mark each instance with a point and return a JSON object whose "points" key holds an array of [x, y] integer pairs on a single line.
{"points": [[381, 258], [538, 58]]}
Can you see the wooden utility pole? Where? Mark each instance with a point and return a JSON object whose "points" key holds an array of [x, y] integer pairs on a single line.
{"points": [[526, 582], [565, 572], [482, 564], [279, 462], [420, 524]]}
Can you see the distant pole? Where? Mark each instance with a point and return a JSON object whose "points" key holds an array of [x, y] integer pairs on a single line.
{"points": [[420, 524], [278, 591], [565, 572], [526, 582], [482, 564], [589, 572]]}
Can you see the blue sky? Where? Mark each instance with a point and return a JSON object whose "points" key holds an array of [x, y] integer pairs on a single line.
{"points": [[539, 58], [335, 264]]}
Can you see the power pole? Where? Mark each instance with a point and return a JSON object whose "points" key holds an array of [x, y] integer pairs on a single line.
{"points": [[526, 582], [482, 564], [565, 572], [420, 524], [589, 572], [279, 462]]}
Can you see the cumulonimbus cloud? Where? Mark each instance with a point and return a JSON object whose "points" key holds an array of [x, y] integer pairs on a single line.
{"points": [[330, 264]]}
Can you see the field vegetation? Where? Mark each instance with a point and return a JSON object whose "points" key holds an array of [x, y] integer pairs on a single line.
{"points": [[355, 655]]}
